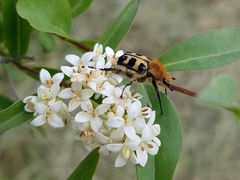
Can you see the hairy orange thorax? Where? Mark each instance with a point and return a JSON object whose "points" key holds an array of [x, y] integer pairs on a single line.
{"points": [[159, 72]]}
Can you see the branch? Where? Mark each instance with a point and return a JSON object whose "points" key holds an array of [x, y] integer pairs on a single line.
{"points": [[75, 43]]}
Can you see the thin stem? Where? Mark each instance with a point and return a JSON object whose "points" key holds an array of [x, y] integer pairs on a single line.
{"points": [[75, 43]]}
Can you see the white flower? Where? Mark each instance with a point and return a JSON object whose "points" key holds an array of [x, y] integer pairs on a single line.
{"points": [[117, 124], [50, 85], [111, 56], [30, 102], [125, 152], [93, 116], [151, 130], [48, 81], [147, 146], [96, 58], [118, 121], [78, 96], [48, 93], [48, 113], [116, 98]]}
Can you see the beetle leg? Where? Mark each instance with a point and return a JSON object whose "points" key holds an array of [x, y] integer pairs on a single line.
{"points": [[128, 84], [158, 94], [167, 84]]}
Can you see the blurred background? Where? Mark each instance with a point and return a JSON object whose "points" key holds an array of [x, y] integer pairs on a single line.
{"points": [[210, 136]]}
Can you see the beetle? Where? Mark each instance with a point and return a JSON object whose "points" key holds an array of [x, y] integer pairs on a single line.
{"points": [[141, 68]]}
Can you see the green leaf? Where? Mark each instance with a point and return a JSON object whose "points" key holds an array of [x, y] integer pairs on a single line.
{"points": [[79, 6], [204, 50], [4, 102], [147, 172], [119, 28], [48, 16], [47, 42], [86, 168], [1, 27], [171, 140], [221, 92], [16, 30], [13, 116]]}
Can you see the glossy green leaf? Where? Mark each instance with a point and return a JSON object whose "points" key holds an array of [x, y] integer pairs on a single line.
{"points": [[79, 6], [86, 168], [4, 102], [204, 50], [13, 116], [147, 172], [48, 16], [221, 92], [16, 30], [47, 42], [119, 28], [171, 140]]}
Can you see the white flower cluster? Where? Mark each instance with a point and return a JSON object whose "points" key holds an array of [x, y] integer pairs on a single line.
{"points": [[105, 114]]}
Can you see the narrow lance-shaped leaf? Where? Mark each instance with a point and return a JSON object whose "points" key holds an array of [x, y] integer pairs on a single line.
{"points": [[4, 102], [204, 50], [86, 168], [171, 138], [119, 28], [13, 116], [79, 6], [221, 92], [16, 30], [147, 172], [48, 16]]}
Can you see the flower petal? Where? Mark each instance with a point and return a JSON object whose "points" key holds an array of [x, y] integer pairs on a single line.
{"points": [[152, 148], [119, 53], [44, 76], [109, 51], [86, 57], [130, 132], [57, 78], [108, 100], [152, 117], [40, 107], [66, 93], [101, 109], [76, 86], [55, 121], [82, 117], [117, 134], [73, 59], [96, 123], [104, 151], [120, 161], [55, 89], [142, 157], [73, 104], [115, 147], [100, 63], [86, 93], [38, 121], [103, 139], [85, 105], [67, 70], [56, 107], [115, 122], [147, 133]]}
